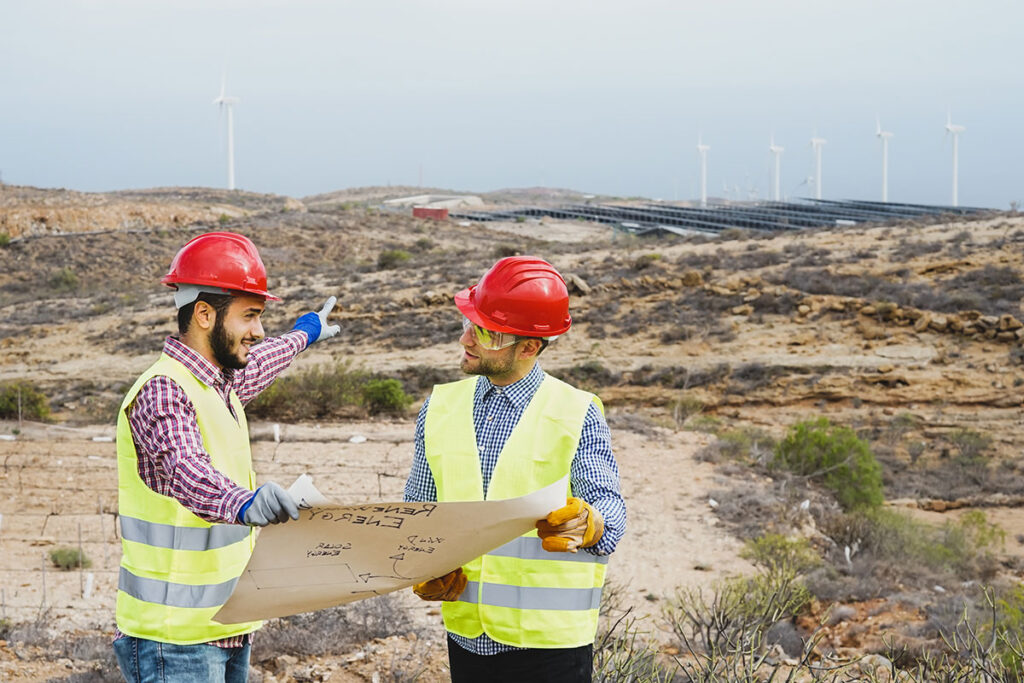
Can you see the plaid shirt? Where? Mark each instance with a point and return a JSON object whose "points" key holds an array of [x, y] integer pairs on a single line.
{"points": [[594, 473], [172, 458]]}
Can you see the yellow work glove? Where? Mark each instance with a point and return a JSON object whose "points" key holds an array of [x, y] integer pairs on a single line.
{"points": [[577, 525], [448, 587]]}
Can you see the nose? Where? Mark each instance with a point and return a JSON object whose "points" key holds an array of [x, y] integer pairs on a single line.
{"points": [[468, 337], [257, 330]]}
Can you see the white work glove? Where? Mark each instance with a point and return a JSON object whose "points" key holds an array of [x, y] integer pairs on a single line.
{"points": [[271, 505], [315, 324]]}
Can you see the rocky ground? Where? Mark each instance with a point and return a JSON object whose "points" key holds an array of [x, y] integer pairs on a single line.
{"points": [[908, 333]]}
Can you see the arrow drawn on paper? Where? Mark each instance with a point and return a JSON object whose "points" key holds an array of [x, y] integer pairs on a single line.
{"points": [[366, 576]]}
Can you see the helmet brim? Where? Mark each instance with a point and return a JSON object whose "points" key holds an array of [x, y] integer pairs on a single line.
{"points": [[220, 285]]}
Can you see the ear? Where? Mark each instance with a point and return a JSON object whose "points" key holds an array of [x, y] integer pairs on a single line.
{"points": [[204, 315], [528, 349]]}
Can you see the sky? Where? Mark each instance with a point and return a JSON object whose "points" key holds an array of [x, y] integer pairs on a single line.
{"points": [[596, 96]]}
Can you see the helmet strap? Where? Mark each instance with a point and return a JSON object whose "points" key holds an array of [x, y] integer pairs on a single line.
{"points": [[186, 294]]}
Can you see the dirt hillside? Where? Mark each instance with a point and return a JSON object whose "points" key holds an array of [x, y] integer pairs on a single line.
{"points": [[910, 334]]}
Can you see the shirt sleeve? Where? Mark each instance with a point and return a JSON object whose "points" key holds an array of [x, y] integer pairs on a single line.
{"points": [[594, 475], [420, 487], [267, 360], [172, 459]]}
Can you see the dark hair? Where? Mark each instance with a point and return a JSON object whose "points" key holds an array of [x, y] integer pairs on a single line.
{"points": [[220, 303]]}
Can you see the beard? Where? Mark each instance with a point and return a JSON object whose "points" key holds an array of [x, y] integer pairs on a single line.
{"points": [[221, 344], [490, 367]]}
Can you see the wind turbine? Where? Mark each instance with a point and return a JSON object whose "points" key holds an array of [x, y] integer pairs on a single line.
{"points": [[955, 130], [817, 143], [777, 152], [702, 150], [227, 104], [884, 136]]}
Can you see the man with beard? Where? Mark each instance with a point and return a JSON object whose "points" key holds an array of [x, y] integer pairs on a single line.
{"points": [[187, 498], [526, 611]]}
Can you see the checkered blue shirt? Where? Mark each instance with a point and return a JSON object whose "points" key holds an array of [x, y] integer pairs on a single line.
{"points": [[594, 474]]}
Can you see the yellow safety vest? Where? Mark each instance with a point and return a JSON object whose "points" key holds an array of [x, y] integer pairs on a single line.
{"points": [[518, 594], [176, 569]]}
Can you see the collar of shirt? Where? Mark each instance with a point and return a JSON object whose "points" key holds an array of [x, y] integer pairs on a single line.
{"points": [[518, 393], [205, 371]]}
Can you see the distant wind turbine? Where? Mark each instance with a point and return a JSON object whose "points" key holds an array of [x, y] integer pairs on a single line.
{"points": [[227, 104], [884, 136], [777, 153], [817, 143], [955, 130], [702, 150]]}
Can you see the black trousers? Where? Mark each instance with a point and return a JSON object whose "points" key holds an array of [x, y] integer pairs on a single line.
{"points": [[569, 665]]}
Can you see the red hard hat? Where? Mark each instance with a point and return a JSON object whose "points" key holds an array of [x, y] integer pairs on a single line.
{"points": [[521, 295], [220, 259]]}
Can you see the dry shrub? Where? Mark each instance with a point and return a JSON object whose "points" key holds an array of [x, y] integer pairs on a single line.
{"points": [[889, 550], [334, 630]]}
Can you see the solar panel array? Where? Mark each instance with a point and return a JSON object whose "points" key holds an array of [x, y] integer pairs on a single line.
{"points": [[761, 216]]}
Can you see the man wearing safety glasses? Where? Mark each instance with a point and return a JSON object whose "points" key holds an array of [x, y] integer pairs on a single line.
{"points": [[527, 610]]}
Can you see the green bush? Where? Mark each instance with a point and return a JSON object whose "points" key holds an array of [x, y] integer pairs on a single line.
{"points": [[34, 403], [385, 396], [744, 442], [1009, 626], [779, 554], [314, 393], [329, 391], [5, 239], [817, 449], [69, 558], [64, 280], [392, 258]]}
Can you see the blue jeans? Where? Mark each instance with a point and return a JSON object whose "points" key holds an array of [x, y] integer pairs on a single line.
{"points": [[150, 661]]}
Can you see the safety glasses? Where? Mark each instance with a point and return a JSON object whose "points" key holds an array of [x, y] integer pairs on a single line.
{"points": [[492, 341]]}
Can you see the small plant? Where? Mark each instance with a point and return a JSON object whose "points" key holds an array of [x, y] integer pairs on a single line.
{"points": [[392, 258], [645, 261], [777, 553], [23, 399], [686, 406], [899, 427], [223, 219], [817, 449], [707, 424], [5, 239], [745, 443], [970, 444], [385, 396], [915, 450], [503, 250], [69, 558], [64, 280]]}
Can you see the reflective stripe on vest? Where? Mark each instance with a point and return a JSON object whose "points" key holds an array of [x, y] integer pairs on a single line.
{"points": [[519, 597], [530, 548], [182, 538], [175, 594], [518, 594], [177, 569]]}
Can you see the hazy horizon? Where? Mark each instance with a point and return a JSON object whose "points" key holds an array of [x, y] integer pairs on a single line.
{"points": [[597, 97]]}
